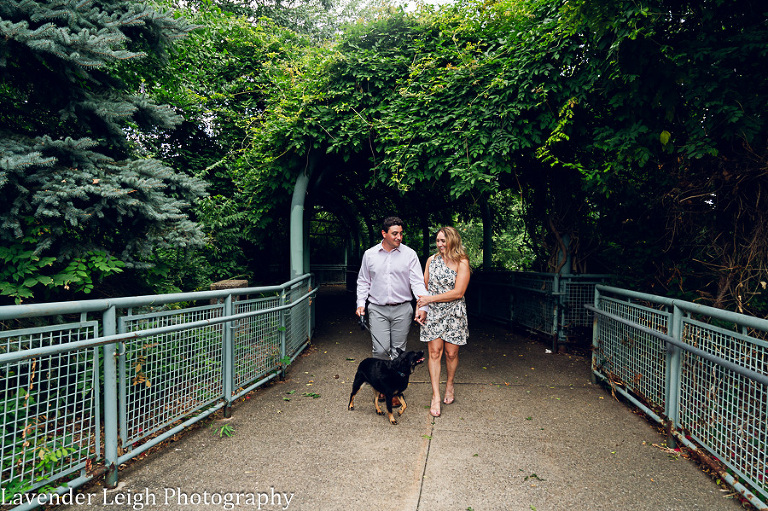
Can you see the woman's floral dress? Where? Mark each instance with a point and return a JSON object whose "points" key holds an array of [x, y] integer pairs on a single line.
{"points": [[446, 320]]}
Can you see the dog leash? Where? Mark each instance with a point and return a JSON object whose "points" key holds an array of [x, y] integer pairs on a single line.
{"points": [[364, 326]]}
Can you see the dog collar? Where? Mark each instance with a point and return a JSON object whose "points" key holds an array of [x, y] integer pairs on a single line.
{"points": [[402, 375]]}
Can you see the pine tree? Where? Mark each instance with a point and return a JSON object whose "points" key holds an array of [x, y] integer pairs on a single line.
{"points": [[72, 174]]}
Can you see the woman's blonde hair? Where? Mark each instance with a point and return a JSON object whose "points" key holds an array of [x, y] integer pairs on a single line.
{"points": [[453, 246]]}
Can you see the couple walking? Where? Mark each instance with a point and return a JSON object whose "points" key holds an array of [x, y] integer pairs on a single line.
{"points": [[390, 276]]}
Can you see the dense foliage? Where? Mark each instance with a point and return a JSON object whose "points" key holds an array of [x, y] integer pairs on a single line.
{"points": [[218, 79], [634, 130], [80, 199], [674, 134]]}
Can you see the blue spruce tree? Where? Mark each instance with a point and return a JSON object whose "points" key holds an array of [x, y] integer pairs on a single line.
{"points": [[74, 181]]}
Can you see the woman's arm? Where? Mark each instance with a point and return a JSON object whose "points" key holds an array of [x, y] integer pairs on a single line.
{"points": [[426, 271], [462, 281]]}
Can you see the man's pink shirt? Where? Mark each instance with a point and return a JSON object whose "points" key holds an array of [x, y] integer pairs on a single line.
{"points": [[390, 277]]}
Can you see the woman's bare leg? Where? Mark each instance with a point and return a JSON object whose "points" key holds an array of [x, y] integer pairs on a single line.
{"points": [[451, 363], [435, 355]]}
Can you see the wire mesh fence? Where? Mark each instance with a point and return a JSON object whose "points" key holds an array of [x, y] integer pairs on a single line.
{"points": [[547, 304], [168, 375], [256, 340], [701, 371], [630, 357], [70, 413], [49, 406]]}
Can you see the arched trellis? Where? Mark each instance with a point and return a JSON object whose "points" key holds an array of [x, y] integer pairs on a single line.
{"points": [[312, 181]]}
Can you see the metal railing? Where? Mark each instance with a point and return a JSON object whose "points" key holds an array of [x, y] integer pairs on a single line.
{"points": [[700, 371], [95, 383], [329, 273], [548, 304]]}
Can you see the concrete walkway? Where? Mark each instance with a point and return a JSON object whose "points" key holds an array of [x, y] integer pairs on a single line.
{"points": [[528, 431]]}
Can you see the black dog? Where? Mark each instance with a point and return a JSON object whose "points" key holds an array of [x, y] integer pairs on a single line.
{"points": [[388, 377]]}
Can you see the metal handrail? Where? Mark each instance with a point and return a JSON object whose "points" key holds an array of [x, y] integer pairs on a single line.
{"points": [[748, 373], [77, 306], [15, 356], [690, 307]]}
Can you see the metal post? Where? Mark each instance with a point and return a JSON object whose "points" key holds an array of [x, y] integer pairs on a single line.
{"points": [[311, 308], [228, 358], [595, 333], [122, 396], [282, 329], [110, 399], [562, 294], [674, 375], [297, 239], [306, 250]]}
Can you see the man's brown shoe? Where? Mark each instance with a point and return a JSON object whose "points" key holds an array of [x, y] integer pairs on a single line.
{"points": [[396, 401]]}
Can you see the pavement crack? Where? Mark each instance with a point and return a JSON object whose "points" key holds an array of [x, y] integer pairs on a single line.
{"points": [[426, 462]]}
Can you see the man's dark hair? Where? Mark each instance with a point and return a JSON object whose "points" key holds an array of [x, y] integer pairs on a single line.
{"points": [[389, 222]]}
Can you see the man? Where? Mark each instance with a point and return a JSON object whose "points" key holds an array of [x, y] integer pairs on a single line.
{"points": [[390, 276]]}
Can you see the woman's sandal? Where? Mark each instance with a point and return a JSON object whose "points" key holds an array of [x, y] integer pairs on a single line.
{"points": [[449, 400], [434, 410]]}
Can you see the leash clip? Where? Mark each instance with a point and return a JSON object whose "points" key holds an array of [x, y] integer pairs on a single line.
{"points": [[361, 320]]}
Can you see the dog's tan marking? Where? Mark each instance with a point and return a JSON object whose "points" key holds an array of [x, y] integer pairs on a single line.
{"points": [[376, 402], [402, 406]]}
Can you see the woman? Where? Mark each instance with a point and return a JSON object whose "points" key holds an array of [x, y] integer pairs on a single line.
{"points": [[446, 275]]}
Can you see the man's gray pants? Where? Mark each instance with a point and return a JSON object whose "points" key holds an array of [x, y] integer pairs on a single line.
{"points": [[389, 326]]}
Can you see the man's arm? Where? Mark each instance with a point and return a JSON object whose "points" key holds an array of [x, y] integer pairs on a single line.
{"points": [[421, 312], [416, 278]]}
